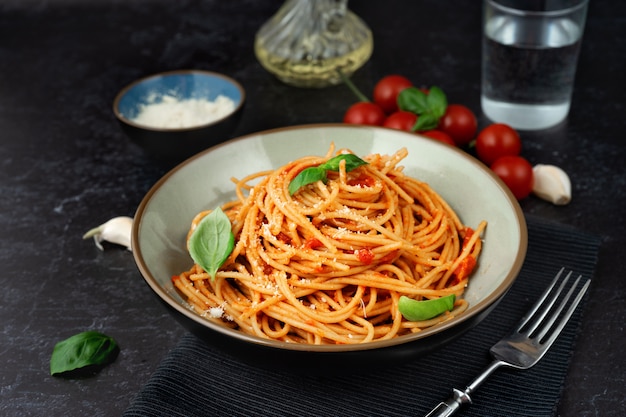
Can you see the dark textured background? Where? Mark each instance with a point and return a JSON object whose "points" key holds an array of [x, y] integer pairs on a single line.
{"points": [[66, 167]]}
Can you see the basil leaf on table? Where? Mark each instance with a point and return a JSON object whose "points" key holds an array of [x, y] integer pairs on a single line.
{"points": [[212, 241], [413, 99], [82, 350], [428, 107], [437, 102], [311, 175], [414, 310], [426, 121]]}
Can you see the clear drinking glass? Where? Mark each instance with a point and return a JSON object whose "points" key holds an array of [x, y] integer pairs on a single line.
{"points": [[529, 58]]}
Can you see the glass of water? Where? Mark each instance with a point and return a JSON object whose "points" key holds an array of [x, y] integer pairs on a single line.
{"points": [[530, 52]]}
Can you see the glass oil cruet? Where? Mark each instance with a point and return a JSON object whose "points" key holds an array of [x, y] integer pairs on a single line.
{"points": [[307, 42]]}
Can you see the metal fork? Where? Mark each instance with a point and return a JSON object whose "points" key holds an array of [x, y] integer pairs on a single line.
{"points": [[528, 342]]}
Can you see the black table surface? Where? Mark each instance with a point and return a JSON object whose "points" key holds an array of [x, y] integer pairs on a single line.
{"points": [[66, 167]]}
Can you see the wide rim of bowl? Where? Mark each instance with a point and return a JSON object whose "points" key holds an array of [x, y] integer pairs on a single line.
{"points": [[123, 91], [476, 309]]}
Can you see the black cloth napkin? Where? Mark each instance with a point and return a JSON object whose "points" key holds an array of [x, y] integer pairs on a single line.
{"points": [[197, 380]]}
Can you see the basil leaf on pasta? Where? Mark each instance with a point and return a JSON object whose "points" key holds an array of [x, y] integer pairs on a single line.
{"points": [[352, 162], [212, 241], [311, 175], [82, 350], [307, 176], [414, 310]]}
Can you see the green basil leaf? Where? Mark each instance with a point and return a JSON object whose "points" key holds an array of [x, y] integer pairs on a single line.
{"points": [[352, 162], [414, 310], [311, 175], [429, 107], [307, 176], [82, 350], [212, 241], [426, 121], [437, 101], [414, 100]]}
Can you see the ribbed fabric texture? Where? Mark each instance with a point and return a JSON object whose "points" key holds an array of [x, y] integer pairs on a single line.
{"points": [[196, 380]]}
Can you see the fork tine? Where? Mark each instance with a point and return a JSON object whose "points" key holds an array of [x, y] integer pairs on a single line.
{"points": [[548, 324], [539, 304], [548, 307], [557, 330]]}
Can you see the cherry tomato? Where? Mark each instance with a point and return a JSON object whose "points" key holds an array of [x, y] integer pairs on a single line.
{"points": [[364, 113], [517, 174], [460, 123], [401, 120], [387, 89], [497, 140], [440, 136]]}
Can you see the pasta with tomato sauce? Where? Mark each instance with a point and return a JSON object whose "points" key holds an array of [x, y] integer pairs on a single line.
{"points": [[328, 263]]}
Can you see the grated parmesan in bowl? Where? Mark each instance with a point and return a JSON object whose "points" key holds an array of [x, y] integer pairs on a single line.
{"points": [[171, 112], [177, 114]]}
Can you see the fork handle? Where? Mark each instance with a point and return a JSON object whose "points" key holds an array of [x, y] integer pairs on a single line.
{"points": [[451, 405], [459, 398]]}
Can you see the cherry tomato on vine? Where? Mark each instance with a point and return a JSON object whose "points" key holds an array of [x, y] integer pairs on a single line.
{"points": [[440, 136], [401, 120], [517, 174], [497, 140], [460, 123], [364, 113], [387, 89]]}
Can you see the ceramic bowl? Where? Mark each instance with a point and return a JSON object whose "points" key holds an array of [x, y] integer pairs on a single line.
{"points": [[203, 182], [178, 129]]}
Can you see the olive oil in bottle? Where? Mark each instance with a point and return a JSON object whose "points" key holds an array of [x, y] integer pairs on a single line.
{"points": [[307, 42]]}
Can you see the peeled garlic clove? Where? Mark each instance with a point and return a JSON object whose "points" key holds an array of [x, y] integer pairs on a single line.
{"points": [[117, 230], [551, 183]]}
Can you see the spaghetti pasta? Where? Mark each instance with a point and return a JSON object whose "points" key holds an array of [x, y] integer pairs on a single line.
{"points": [[329, 263]]}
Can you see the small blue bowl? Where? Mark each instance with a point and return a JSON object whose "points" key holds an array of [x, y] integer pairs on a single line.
{"points": [[171, 145]]}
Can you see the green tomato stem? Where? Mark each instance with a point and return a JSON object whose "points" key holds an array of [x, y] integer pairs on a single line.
{"points": [[352, 87]]}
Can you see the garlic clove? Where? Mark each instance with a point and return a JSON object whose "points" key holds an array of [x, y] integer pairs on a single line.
{"points": [[117, 230], [551, 183]]}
